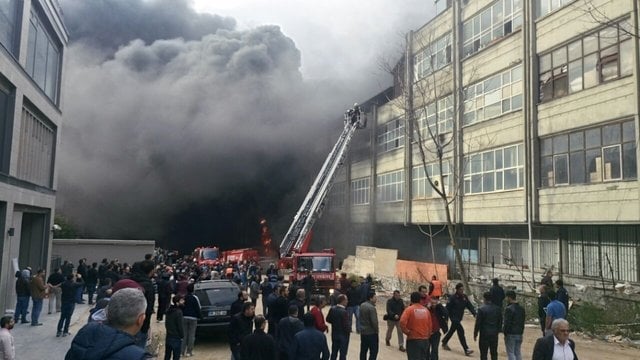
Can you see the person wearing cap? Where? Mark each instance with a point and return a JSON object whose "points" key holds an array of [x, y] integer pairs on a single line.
{"points": [[456, 305], [23, 292]]}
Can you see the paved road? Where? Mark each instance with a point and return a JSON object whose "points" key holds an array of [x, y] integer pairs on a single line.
{"points": [[40, 342]]}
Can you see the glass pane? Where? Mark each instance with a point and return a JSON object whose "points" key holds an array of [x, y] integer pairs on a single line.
{"points": [[626, 58], [577, 171], [576, 141], [487, 182], [498, 180], [590, 44], [629, 161], [510, 157], [560, 81], [546, 171], [516, 74], [476, 163], [467, 30], [498, 159], [560, 169], [476, 184], [485, 19], [593, 159], [611, 134], [612, 169], [516, 102], [560, 144], [591, 77], [609, 63], [628, 131], [608, 37], [575, 76], [592, 137], [487, 161], [493, 110], [559, 57], [510, 179], [545, 62], [575, 50]]}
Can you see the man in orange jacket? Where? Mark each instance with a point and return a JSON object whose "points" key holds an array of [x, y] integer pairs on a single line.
{"points": [[416, 322]]}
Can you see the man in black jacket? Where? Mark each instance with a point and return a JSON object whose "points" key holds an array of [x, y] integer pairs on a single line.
{"points": [[68, 302], [174, 327], [237, 305], [456, 305], [514, 317], [440, 316], [91, 281], [497, 293], [546, 347], [395, 307], [288, 327], [340, 328], [278, 309], [240, 326], [259, 345], [488, 325]]}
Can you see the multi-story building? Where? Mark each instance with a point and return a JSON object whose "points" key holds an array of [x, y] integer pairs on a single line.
{"points": [[33, 39], [532, 106]]}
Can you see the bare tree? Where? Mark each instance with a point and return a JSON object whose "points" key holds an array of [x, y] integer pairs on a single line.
{"points": [[427, 102]]}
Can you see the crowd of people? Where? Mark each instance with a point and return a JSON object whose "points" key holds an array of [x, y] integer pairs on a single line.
{"points": [[293, 324]]}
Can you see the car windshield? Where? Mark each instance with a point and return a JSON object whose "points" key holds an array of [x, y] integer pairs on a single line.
{"points": [[217, 297], [210, 254], [315, 263]]}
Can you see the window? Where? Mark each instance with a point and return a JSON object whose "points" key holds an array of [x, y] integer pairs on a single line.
{"points": [[436, 118], [442, 5], [8, 24], [515, 252], [494, 96], [390, 186], [589, 156], [599, 57], [360, 191], [433, 58], [544, 7], [43, 57], [495, 22], [391, 135], [494, 170], [6, 124], [37, 149], [597, 250], [420, 186]]}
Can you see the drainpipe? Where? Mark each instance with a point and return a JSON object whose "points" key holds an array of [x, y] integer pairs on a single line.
{"points": [[529, 111]]}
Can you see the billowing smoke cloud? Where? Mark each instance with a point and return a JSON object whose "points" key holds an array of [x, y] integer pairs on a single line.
{"points": [[178, 127]]}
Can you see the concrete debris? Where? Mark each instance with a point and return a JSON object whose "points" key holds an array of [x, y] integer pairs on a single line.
{"points": [[581, 288]]}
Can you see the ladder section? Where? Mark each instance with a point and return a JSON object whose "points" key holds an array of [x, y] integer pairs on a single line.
{"points": [[313, 203]]}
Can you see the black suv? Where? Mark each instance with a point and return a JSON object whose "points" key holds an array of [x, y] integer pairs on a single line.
{"points": [[216, 297]]}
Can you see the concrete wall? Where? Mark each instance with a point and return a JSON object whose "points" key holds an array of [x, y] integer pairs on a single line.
{"points": [[94, 250]]}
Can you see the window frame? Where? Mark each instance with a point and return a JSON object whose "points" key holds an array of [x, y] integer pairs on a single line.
{"points": [[390, 136], [390, 187], [361, 191]]}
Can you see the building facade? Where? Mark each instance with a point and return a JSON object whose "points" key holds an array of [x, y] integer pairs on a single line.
{"points": [[33, 40], [525, 115]]}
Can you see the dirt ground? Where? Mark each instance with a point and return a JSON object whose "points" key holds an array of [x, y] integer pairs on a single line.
{"points": [[214, 346]]}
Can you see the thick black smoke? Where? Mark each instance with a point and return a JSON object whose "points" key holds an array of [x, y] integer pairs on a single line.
{"points": [[180, 128]]}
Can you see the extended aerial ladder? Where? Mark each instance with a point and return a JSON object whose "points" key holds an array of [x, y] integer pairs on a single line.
{"points": [[298, 236]]}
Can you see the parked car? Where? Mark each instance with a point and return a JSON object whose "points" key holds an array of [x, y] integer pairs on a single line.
{"points": [[216, 297]]}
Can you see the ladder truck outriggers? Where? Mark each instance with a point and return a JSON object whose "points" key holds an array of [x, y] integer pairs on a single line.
{"points": [[294, 247]]}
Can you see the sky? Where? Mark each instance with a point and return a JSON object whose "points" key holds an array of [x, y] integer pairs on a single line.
{"points": [[186, 121]]}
